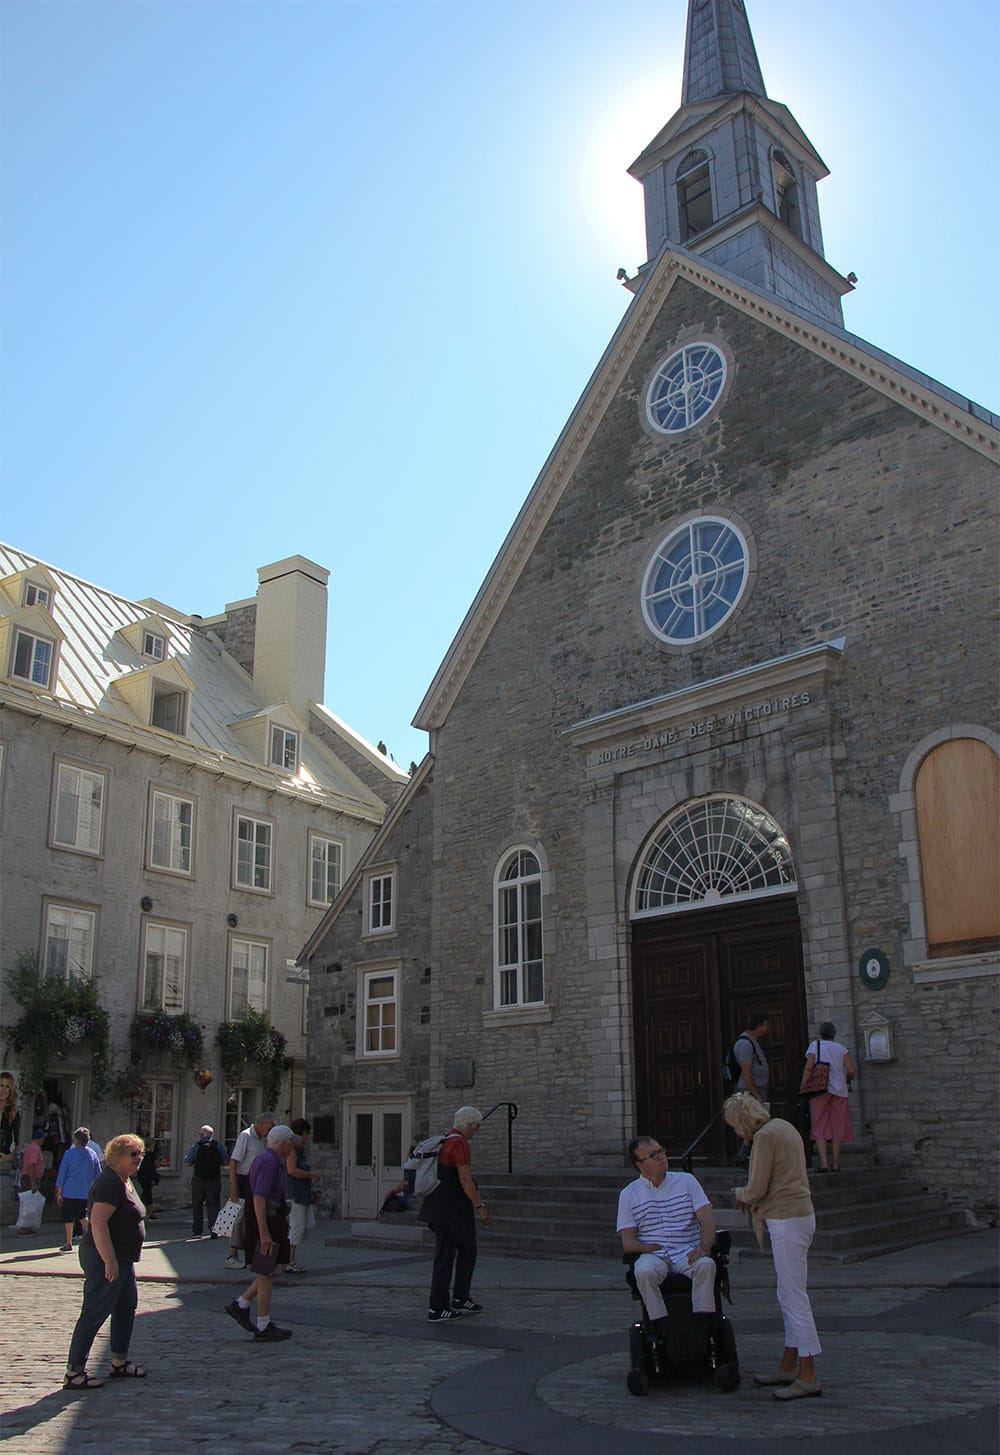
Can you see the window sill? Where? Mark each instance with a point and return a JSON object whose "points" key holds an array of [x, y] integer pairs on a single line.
{"points": [[514, 1015], [958, 967]]}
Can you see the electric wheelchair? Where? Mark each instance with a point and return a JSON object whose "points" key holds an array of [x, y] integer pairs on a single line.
{"points": [[693, 1344]]}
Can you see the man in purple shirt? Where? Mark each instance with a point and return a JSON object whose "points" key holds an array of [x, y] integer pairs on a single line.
{"points": [[266, 1219]]}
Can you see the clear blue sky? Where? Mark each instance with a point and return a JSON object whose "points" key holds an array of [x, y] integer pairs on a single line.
{"points": [[328, 278]]}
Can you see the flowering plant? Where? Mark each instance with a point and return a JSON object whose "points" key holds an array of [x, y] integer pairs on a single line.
{"points": [[58, 1015], [178, 1035], [253, 1039]]}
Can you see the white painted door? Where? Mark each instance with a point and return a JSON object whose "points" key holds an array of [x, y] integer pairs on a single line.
{"points": [[374, 1152]]}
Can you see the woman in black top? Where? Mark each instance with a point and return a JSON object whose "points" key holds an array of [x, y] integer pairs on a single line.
{"points": [[110, 1249]]}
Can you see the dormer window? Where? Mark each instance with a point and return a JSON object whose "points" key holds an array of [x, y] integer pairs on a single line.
{"points": [[154, 646], [694, 194], [284, 748], [32, 658], [36, 595], [786, 201], [169, 710]]}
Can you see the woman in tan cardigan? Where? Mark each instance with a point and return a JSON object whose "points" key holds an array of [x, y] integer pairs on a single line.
{"points": [[777, 1194]]}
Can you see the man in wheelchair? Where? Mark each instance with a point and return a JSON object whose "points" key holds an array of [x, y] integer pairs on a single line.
{"points": [[668, 1232]]}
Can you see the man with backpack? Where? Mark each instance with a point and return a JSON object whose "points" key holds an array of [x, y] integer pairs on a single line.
{"points": [[451, 1211], [749, 1057], [206, 1158]]}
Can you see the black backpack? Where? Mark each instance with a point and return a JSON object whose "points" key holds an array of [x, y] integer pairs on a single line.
{"points": [[731, 1068], [207, 1160]]}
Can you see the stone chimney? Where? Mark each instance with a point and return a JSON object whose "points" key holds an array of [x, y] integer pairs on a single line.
{"points": [[289, 653]]}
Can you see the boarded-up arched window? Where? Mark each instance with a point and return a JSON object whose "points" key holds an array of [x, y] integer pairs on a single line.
{"points": [[957, 794]]}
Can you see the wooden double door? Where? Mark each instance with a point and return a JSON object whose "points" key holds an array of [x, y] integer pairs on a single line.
{"points": [[695, 978]]}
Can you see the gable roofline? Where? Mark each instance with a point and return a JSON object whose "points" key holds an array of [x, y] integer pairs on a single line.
{"points": [[694, 123], [951, 412], [371, 855], [361, 745]]}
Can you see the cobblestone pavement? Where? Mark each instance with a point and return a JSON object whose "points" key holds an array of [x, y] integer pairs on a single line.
{"points": [[909, 1365]]}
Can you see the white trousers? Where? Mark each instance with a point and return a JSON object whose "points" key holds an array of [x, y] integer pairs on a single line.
{"points": [[652, 1268], [790, 1239]]}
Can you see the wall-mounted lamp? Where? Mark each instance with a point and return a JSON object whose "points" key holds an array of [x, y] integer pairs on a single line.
{"points": [[231, 921], [145, 904], [876, 1031]]}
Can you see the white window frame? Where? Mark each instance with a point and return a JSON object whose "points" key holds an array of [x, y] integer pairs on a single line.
{"points": [[81, 922], [88, 823], [158, 1117], [685, 388], [169, 691], [154, 646], [284, 748], [175, 946], [380, 902], [325, 843], [36, 595], [31, 675], [259, 823], [239, 1001], [386, 1022], [506, 969], [716, 593], [178, 862]]}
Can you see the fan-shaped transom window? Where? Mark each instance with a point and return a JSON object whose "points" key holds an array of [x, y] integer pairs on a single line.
{"points": [[694, 580], [519, 966], [712, 850], [685, 387]]}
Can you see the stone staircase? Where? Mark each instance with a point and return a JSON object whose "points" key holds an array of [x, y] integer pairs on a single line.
{"points": [[861, 1212]]}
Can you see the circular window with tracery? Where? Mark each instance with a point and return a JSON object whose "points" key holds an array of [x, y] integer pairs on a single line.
{"points": [[695, 580], [685, 387], [712, 850]]}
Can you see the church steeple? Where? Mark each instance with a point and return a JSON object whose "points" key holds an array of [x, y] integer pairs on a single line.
{"points": [[732, 176], [720, 57]]}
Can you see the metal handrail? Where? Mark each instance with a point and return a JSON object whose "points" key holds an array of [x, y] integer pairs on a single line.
{"points": [[687, 1161], [511, 1114]]}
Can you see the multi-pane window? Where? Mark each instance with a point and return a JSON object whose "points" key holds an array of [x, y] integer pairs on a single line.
{"points": [[685, 387], [248, 977], [153, 645], [79, 808], [164, 967], [714, 849], [695, 580], [694, 194], [326, 862], [284, 748], [169, 710], [171, 837], [380, 903], [156, 1113], [252, 867], [380, 998], [35, 595], [33, 658], [69, 942], [519, 978]]}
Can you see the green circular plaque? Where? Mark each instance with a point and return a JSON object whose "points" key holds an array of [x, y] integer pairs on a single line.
{"points": [[873, 969]]}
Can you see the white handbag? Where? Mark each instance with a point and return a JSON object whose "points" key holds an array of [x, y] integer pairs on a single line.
{"points": [[226, 1221], [29, 1217]]}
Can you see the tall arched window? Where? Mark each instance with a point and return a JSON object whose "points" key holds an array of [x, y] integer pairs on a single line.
{"points": [[519, 978], [710, 850], [957, 796], [786, 192], [694, 194]]}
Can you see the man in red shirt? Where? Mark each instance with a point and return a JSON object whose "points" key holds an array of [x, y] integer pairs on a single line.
{"points": [[451, 1211]]}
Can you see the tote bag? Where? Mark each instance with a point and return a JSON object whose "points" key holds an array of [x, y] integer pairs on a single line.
{"points": [[819, 1077], [226, 1220]]}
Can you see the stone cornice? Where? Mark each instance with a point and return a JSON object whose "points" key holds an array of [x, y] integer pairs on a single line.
{"points": [[781, 674]]}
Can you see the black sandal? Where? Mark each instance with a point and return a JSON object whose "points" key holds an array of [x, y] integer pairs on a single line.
{"points": [[81, 1380], [128, 1371]]}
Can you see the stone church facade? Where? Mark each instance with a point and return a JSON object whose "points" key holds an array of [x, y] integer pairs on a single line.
{"points": [[718, 733]]}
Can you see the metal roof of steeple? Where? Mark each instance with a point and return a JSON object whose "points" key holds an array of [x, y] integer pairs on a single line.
{"points": [[719, 54]]}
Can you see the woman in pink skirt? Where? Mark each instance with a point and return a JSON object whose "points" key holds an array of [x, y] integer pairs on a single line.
{"points": [[830, 1111]]}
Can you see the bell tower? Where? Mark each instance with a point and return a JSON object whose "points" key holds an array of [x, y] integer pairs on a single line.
{"points": [[732, 176]]}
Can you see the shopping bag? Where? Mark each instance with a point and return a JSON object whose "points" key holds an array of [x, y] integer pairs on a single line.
{"points": [[226, 1220], [29, 1218]]}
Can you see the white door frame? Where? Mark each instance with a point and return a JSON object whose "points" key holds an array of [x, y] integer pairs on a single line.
{"points": [[364, 1189]]}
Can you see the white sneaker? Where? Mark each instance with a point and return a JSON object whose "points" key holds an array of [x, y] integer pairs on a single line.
{"points": [[235, 1261]]}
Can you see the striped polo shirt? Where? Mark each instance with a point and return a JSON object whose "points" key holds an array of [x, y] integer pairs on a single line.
{"points": [[664, 1215]]}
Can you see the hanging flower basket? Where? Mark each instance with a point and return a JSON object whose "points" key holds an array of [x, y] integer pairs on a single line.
{"points": [[58, 1016], [178, 1037], [253, 1039]]}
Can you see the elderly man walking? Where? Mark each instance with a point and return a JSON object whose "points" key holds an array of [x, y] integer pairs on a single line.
{"points": [[247, 1147], [451, 1211], [266, 1236], [206, 1158]]}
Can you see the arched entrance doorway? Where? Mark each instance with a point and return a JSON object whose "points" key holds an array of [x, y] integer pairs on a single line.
{"points": [[715, 934]]}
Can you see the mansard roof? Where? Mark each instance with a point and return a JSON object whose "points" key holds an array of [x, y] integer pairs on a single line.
{"points": [[923, 396]]}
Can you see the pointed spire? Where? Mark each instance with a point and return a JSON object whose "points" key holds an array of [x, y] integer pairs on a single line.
{"points": [[719, 54]]}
